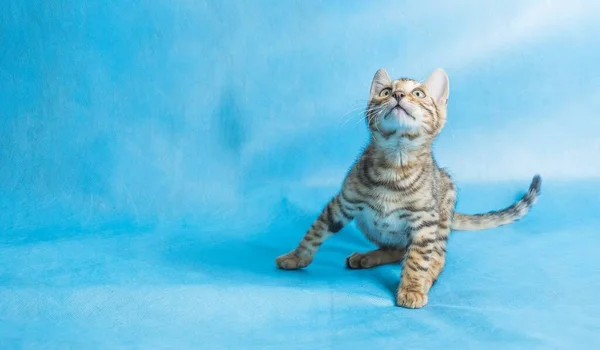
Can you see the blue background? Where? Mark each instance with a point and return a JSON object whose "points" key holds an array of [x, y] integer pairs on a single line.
{"points": [[155, 158]]}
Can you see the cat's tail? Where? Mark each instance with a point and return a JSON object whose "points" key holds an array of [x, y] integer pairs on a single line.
{"points": [[464, 222]]}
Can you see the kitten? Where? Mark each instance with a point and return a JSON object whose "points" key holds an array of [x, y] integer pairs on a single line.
{"points": [[401, 200]]}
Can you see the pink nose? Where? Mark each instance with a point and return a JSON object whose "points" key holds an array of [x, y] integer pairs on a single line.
{"points": [[399, 95]]}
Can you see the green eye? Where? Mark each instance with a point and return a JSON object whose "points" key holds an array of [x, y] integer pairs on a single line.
{"points": [[419, 93], [385, 92]]}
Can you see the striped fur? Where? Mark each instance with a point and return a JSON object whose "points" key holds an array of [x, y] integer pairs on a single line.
{"points": [[463, 222], [396, 193]]}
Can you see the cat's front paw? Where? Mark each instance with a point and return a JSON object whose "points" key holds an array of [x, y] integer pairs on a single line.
{"points": [[411, 299], [292, 261]]}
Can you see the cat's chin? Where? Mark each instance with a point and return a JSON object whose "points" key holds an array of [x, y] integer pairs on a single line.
{"points": [[399, 112], [405, 120]]}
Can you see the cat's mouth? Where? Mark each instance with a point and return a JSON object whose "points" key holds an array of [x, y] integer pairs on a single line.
{"points": [[401, 112]]}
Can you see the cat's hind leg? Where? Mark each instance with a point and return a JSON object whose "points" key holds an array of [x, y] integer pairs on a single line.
{"points": [[374, 258]]}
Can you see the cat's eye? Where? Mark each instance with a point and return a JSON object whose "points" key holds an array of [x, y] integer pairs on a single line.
{"points": [[385, 92], [418, 93]]}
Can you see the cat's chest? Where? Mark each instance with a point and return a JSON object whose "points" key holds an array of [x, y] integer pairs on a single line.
{"points": [[384, 228]]}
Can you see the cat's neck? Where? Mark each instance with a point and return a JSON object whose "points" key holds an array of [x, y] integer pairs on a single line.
{"points": [[402, 151]]}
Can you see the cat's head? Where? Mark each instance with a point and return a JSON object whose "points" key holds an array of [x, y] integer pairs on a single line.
{"points": [[406, 107]]}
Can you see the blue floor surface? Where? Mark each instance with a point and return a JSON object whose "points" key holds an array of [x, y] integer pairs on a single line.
{"points": [[530, 285], [157, 156]]}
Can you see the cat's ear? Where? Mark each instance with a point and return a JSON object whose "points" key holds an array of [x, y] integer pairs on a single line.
{"points": [[438, 86], [380, 80]]}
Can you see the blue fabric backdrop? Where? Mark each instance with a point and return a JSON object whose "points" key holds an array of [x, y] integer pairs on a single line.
{"points": [[156, 156]]}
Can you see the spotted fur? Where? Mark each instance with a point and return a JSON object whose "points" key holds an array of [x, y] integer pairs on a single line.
{"points": [[396, 193]]}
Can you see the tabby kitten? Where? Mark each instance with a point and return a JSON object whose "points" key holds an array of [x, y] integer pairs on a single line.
{"points": [[401, 200]]}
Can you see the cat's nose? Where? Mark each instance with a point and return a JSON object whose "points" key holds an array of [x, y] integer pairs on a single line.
{"points": [[399, 95]]}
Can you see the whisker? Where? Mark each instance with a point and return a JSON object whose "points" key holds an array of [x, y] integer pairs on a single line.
{"points": [[353, 110], [374, 115], [359, 106], [353, 115], [367, 111]]}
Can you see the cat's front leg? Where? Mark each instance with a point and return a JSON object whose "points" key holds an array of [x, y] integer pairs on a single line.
{"points": [[413, 289], [333, 218]]}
